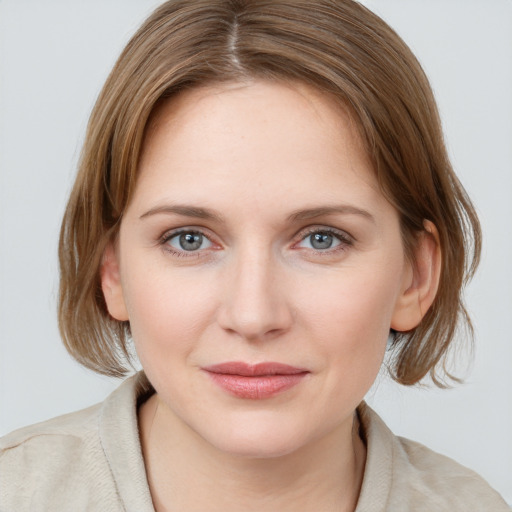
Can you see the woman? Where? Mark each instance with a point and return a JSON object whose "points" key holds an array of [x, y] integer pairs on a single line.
{"points": [[263, 204]]}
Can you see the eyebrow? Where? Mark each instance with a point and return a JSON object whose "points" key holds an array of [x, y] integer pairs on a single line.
{"points": [[185, 211], [298, 215], [345, 209]]}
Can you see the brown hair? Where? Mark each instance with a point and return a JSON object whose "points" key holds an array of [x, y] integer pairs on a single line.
{"points": [[338, 47]]}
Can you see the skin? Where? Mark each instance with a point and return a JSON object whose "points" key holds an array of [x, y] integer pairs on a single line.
{"points": [[255, 155]]}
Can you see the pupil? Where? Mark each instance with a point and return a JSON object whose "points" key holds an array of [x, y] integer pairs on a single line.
{"points": [[191, 241], [321, 241]]}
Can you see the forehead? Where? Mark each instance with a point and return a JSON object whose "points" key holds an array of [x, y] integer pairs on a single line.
{"points": [[254, 136]]}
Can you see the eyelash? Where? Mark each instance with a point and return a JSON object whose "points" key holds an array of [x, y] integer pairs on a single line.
{"points": [[345, 240]]}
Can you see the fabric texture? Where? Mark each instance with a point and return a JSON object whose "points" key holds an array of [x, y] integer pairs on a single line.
{"points": [[92, 460]]}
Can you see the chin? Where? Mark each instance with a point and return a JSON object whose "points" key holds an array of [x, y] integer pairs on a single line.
{"points": [[257, 438]]}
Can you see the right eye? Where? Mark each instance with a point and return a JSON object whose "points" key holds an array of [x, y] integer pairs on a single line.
{"points": [[188, 241]]}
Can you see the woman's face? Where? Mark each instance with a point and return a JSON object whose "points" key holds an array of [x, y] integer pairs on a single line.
{"points": [[257, 234]]}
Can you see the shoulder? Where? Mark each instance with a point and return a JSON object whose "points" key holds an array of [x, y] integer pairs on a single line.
{"points": [[59, 442], [76, 425], [406, 475], [42, 464], [65, 462], [434, 479]]}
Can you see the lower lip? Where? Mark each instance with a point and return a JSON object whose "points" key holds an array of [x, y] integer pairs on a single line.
{"points": [[256, 388]]}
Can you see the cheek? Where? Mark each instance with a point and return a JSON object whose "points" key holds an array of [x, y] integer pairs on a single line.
{"points": [[168, 311], [349, 320], [351, 302]]}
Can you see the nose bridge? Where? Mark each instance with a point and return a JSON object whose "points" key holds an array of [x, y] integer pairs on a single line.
{"points": [[255, 304]]}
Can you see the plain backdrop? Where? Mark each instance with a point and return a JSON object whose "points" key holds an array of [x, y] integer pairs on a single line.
{"points": [[54, 57]]}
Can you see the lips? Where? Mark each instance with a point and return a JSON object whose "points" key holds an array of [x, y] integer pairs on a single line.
{"points": [[256, 382]]}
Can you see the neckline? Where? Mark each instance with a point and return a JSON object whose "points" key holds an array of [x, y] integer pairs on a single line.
{"points": [[119, 435]]}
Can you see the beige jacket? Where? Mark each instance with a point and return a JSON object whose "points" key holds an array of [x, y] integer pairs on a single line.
{"points": [[91, 461]]}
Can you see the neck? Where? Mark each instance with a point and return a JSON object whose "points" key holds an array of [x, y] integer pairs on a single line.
{"points": [[185, 472]]}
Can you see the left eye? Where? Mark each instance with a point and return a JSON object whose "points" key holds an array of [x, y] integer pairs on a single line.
{"points": [[189, 241], [320, 241]]}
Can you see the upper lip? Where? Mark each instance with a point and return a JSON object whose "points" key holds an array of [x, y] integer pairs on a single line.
{"points": [[254, 370]]}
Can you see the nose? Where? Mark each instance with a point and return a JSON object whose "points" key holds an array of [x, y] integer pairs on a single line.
{"points": [[254, 304]]}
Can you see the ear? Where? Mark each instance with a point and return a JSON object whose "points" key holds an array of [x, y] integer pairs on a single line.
{"points": [[111, 284], [421, 282]]}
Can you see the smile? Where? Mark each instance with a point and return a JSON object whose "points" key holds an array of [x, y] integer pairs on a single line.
{"points": [[255, 382]]}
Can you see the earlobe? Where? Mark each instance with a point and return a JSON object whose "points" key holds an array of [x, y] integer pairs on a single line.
{"points": [[421, 283], [111, 284]]}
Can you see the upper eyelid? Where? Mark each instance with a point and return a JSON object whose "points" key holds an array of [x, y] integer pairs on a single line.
{"points": [[171, 233], [305, 232]]}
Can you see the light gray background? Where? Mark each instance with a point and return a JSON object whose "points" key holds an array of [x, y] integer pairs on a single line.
{"points": [[54, 57]]}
